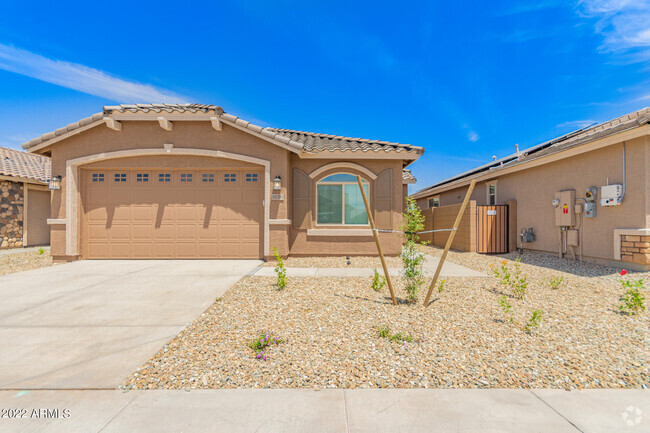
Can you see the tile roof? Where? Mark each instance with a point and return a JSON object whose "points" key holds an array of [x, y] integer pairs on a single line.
{"points": [[567, 141], [315, 142], [296, 140], [23, 164], [407, 176], [159, 108]]}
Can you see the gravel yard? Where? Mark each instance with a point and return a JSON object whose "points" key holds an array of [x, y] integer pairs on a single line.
{"points": [[24, 261], [330, 326]]}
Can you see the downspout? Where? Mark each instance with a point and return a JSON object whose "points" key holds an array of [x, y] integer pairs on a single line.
{"points": [[624, 178]]}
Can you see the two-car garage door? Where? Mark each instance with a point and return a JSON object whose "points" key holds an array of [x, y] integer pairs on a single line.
{"points": [[174, 213]]}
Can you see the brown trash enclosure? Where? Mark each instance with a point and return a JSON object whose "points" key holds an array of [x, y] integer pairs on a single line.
{"points": [[483, 229]]}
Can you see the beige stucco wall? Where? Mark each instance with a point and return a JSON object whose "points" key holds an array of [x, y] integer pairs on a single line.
{"points": [[534, 189], [37, 232], [149, 135], [300, 243], [201, 135]]}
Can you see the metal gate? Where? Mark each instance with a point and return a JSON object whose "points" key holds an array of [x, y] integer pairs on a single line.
{"points": [[492, 229]]}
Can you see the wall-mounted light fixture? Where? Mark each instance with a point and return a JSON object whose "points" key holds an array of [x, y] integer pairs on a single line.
{"points": [[277, 183], [55, 183]]}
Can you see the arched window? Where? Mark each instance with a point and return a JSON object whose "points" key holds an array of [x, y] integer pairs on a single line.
{"points": [[339, 200]]}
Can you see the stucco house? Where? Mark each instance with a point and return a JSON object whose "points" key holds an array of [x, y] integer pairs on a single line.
{"points": [[588, 192], [190, 181], [24, 199]]}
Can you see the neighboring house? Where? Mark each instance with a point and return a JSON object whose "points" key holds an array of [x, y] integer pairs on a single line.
{"points": [[188, 181], [24, 199], [586, 161]]}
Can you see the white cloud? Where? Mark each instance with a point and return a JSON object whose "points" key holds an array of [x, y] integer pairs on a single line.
{"points": [[624, 24], [576, 124], [472, 136], [82, 78]]}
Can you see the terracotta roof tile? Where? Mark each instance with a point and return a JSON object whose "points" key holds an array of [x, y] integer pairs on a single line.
{"points": [[23, 164]]}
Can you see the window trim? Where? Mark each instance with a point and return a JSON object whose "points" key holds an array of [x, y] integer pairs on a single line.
{"points": [[487, 192], [342, 224], [431, 200]]}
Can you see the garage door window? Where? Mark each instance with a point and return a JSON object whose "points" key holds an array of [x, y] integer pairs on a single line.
{"points": [[339, 200], [98, 177], [251, 177], [230, 177], [164, 177], [186, 177], [142, 177], [208, 177], [120, 177]]}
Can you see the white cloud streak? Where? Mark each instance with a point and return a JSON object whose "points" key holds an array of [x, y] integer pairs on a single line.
{"points": [[472, 136], [624, 24], [576, 124], [82, 78]]}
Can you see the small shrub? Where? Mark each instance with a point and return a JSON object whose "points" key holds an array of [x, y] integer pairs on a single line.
{"points": [[412, 258], [384, 332], [263, 340], [41, 251], [515, 280], [534, 321], [378, 282], [280, 270], [506, 307], [441, 285], [632, 299], [555, 282]]}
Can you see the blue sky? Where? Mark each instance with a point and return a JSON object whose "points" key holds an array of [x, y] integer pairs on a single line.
{"points": [[466, 81]]}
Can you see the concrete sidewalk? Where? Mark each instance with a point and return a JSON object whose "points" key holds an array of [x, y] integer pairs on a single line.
{"points": [[369, 410], [449, 269]]}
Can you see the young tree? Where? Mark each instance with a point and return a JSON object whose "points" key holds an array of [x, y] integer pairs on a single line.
{"points": [[412, 257]]}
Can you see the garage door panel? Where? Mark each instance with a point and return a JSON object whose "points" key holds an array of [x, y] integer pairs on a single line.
{"points": [[120, 232], [176, 219], [142, 250]]}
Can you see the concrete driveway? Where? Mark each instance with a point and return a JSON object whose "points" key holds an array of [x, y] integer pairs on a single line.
{"points": [[89, 324]]}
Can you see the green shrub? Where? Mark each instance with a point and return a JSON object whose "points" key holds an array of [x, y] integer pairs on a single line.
{"points": [[412, 258], [41, 251], [516, 280], [632, 299], [555, 282], [384, 332], [441, 285], [534, 321], [506, 307], [264, 339], [280, 270], [378, 282]]}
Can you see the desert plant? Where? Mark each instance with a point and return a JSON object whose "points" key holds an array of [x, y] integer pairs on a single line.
{"points": [[555, 282], [41, 251], [263, 340], [506, 307], [632, 299], [412, 258], [384, 332], [280, 270], [534, 321], [515, 280], [377, 282], [441, 285]]}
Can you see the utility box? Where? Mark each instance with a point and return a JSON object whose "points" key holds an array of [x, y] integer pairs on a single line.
{"points": [[564, 209], [590, 209], [611, 195], [572, 238]]}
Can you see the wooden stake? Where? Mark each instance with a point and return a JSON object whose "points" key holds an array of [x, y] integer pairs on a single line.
{"points": [[452, 235], [376, 236]]}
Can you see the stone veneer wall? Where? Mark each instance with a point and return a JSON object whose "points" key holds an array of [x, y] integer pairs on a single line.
{"points": [[11, 214], [635, 249]]}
